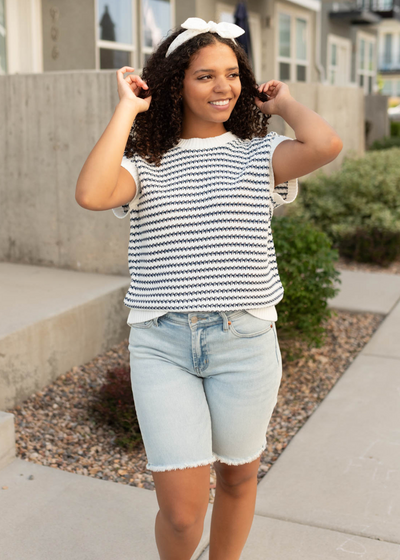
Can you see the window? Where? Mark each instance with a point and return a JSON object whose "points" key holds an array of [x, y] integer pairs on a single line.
{"points": [[391, 87], [3, 52], [156, 24], [387, 87], [387, 53], [301, 49], [366, 62], [284, 35], [389, 49], [116, 33], [119, 29], [293, 48], [339, 53]]}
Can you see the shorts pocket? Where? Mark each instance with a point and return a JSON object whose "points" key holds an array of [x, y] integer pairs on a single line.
{"points": [[142, 325], [249, 326]]}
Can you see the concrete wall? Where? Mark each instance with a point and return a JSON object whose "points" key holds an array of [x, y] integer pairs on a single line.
{"points": [[376, 118], [184, 10], [342, 107], [49, 123], [68, 35]]}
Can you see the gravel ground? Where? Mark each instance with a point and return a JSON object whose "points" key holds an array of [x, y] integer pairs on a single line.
{"points": [[54, 427], [393, 268]]}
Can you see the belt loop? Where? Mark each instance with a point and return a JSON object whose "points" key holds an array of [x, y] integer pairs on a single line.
{"points": [[225, 321]]}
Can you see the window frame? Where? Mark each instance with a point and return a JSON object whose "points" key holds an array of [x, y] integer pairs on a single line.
{"points": [[115, 45], [394, 86], [293, 61], [362, 71], [384, 64], [394, 63], [339, 42]]}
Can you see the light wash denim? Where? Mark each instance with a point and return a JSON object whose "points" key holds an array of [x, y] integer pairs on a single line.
{"points": [[204, 386]]}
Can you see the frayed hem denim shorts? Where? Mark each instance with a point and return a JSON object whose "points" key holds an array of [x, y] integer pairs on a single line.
{"points": [[204, 386]]}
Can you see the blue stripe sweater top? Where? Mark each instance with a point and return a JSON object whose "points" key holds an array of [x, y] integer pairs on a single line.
{"points": [[200, 226]]}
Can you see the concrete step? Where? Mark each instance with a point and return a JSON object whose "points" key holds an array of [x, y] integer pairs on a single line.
{"points": [[52, 320], [7, 439]]}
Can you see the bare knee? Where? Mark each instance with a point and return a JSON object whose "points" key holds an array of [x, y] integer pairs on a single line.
{"points": [[182, 521], [235, 478]]}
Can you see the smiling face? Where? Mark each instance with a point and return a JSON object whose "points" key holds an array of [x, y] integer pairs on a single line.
{"points": [[211, 88]]}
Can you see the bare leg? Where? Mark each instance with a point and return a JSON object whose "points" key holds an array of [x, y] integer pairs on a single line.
{"points": [[233, 510], [182, 496], [174, 543]]}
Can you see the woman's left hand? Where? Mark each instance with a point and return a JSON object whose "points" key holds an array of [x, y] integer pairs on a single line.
{"points": [[278, 93]]}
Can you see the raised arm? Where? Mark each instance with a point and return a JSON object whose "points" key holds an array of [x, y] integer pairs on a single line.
{"points": [[316, 142], [102, 183]]}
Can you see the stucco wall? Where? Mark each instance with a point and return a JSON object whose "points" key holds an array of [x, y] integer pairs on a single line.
{"points": [[68, 35], [49, 123]]}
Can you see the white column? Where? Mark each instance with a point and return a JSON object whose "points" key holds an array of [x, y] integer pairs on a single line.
{"points": [[24, 36]]}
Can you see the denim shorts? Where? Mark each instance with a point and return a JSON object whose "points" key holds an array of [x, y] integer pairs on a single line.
{"points": [[204, 386]]}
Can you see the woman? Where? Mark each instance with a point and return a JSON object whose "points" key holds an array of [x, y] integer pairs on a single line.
{"points": [[187, 156]]}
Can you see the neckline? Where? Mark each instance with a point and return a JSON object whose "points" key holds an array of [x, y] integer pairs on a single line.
{"points": [[199, 143]]}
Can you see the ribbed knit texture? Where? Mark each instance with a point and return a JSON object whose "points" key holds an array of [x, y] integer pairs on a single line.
{"points": [[200, 226]]}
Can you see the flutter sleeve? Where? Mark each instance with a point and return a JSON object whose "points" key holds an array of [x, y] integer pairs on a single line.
{"points": [[285, 192], [130, 165]]}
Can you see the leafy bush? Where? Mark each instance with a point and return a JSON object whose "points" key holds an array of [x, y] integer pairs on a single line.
{"points": [[395, 128], [374, 245], [385, 143], [358, 207], [306, 263], [115, 407]]}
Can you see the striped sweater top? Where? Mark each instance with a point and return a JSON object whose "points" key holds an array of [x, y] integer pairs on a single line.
{"points": [[200, 228]]}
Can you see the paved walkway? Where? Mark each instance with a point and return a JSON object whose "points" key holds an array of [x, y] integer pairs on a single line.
{"points": [[333, 494]]}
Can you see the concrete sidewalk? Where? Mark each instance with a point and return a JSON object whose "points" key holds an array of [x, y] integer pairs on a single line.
{"points": [[333, 494]]}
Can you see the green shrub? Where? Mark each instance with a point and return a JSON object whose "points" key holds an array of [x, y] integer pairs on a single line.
{"points": [[374, 245], [385, 143], [115, 407], [358, 207], [395, 128], [306, 264]]}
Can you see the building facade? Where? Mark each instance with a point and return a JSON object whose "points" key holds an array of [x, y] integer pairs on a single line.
{"points": [[389, 46], [349, 53], [55, 35]]}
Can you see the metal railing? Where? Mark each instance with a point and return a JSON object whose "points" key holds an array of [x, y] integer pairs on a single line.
{"points": [[379, 5]]}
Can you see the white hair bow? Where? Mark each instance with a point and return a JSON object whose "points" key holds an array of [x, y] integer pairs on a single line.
{"points": [[195, 26]]}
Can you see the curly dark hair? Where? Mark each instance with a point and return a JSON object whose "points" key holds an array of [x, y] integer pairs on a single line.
{"points": [[158, 129]]}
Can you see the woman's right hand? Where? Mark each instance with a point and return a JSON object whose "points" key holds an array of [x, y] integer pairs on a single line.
{"points": [[130, 87]]}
